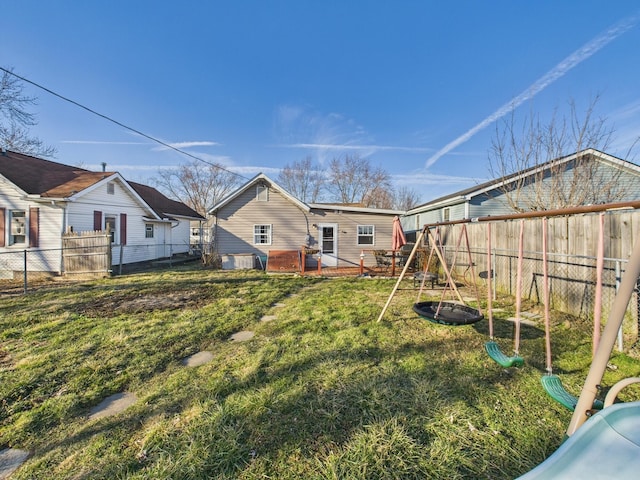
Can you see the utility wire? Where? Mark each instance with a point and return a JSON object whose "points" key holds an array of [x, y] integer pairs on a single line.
{"points": [[120, 124]]}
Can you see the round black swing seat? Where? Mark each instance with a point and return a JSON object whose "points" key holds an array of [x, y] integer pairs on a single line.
{"points": [[448, 314]]}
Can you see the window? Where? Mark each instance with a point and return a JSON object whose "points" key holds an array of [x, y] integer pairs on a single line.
{"points": [[110, 226], [262, 234], [365, 234], [18, 233], [111, 189], [262, 193], [446, 214], [148, 230]]}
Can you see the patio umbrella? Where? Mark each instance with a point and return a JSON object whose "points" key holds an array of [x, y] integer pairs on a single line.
{"points": [[397, 236]]}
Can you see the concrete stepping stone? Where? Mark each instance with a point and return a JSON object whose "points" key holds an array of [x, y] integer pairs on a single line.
{"points": [[197, 359], [112, 405], [268, 318], [523, 321], [279, 304], [10, 460], [242, 336]]}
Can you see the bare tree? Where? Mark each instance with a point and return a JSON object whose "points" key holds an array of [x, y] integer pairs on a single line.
{"points": [[15, 118], [197, 184], [303, 179], [405, 199], [352, 179], [542, 151]]}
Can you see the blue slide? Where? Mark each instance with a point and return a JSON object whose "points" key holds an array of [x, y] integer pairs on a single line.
{"points": [[607, 446]]}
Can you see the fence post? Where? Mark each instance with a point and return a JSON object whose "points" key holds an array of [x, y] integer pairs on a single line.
{"points": [[25, 271], [109, 256], [618, 274]]}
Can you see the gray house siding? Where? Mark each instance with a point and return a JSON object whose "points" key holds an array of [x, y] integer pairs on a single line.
{"points": [[613, 180], [347, 221], [488, 204], [234, 229], [293, 224]]}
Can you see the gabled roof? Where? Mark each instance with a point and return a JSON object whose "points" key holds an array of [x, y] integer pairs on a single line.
{"points": [[37, 177], [260, 178], [345, 207], [495, 184], [164, 206]]}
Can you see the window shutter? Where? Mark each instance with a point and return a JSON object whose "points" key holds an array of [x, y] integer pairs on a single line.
{"points": [[97, 220], [2, 224], [123, 228], [34, 227]]}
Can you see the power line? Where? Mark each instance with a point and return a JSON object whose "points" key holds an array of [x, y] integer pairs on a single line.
{"points": [[120, 124]]}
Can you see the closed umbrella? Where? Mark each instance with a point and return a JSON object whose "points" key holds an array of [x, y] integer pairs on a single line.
{"points": [[397, 236]]}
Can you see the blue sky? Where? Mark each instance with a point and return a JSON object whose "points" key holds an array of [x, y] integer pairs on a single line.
{"points": [[414, 86]]}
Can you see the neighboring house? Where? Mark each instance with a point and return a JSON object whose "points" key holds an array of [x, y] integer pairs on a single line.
{"points": [[489, 198], [261, 216], [40, 200]]}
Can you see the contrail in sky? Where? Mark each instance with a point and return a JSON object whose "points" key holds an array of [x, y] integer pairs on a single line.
{"points": [[551, 76]]}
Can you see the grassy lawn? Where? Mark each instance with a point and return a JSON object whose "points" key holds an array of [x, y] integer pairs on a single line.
{"points": [[322, 391]]}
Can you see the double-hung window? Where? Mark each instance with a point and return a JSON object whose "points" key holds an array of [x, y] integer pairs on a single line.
{"points": [[262, 234], [365, 234], [110, 226], [18, 232]]}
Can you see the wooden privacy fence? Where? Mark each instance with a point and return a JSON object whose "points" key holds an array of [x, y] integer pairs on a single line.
{"points": [[86, 253], [572, 255]]}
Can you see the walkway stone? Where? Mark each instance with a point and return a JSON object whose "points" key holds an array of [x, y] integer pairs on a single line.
{"points": [[279, 305], [268, 318], [112, 405], [197, 359], [10, 460], [523, 321], [242, 336]]}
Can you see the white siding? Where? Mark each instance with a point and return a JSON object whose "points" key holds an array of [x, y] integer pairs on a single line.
{"points": [[165, 242], [47, 257]]}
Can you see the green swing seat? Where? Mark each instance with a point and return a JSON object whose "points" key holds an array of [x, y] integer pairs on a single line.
{"points": [[493, 350], [553, 386]]}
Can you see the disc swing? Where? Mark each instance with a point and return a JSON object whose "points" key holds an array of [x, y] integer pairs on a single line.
{"points": [[492, 348], [441, 312]]}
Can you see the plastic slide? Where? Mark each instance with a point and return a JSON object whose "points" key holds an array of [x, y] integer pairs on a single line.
{"points": [[606, 446]]}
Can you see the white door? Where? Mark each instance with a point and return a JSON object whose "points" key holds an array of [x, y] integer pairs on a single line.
{"points": [[328, 244]]}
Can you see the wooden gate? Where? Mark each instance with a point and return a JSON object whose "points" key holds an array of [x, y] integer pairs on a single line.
{"points": [[86, 253]]}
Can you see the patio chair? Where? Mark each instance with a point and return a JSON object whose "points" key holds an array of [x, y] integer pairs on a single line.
{"points": [[383, 262]]}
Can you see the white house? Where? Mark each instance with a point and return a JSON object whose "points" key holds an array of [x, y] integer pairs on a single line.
{"points": [[40, 200]]}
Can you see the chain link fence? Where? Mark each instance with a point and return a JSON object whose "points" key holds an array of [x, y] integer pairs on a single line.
{"points": [[572, 281], [22, 269]]}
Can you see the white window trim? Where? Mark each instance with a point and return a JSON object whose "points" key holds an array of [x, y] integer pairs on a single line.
{"points": [[269, 234], [116, 230], [25, 227], [373, 235], [146, 230]]}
